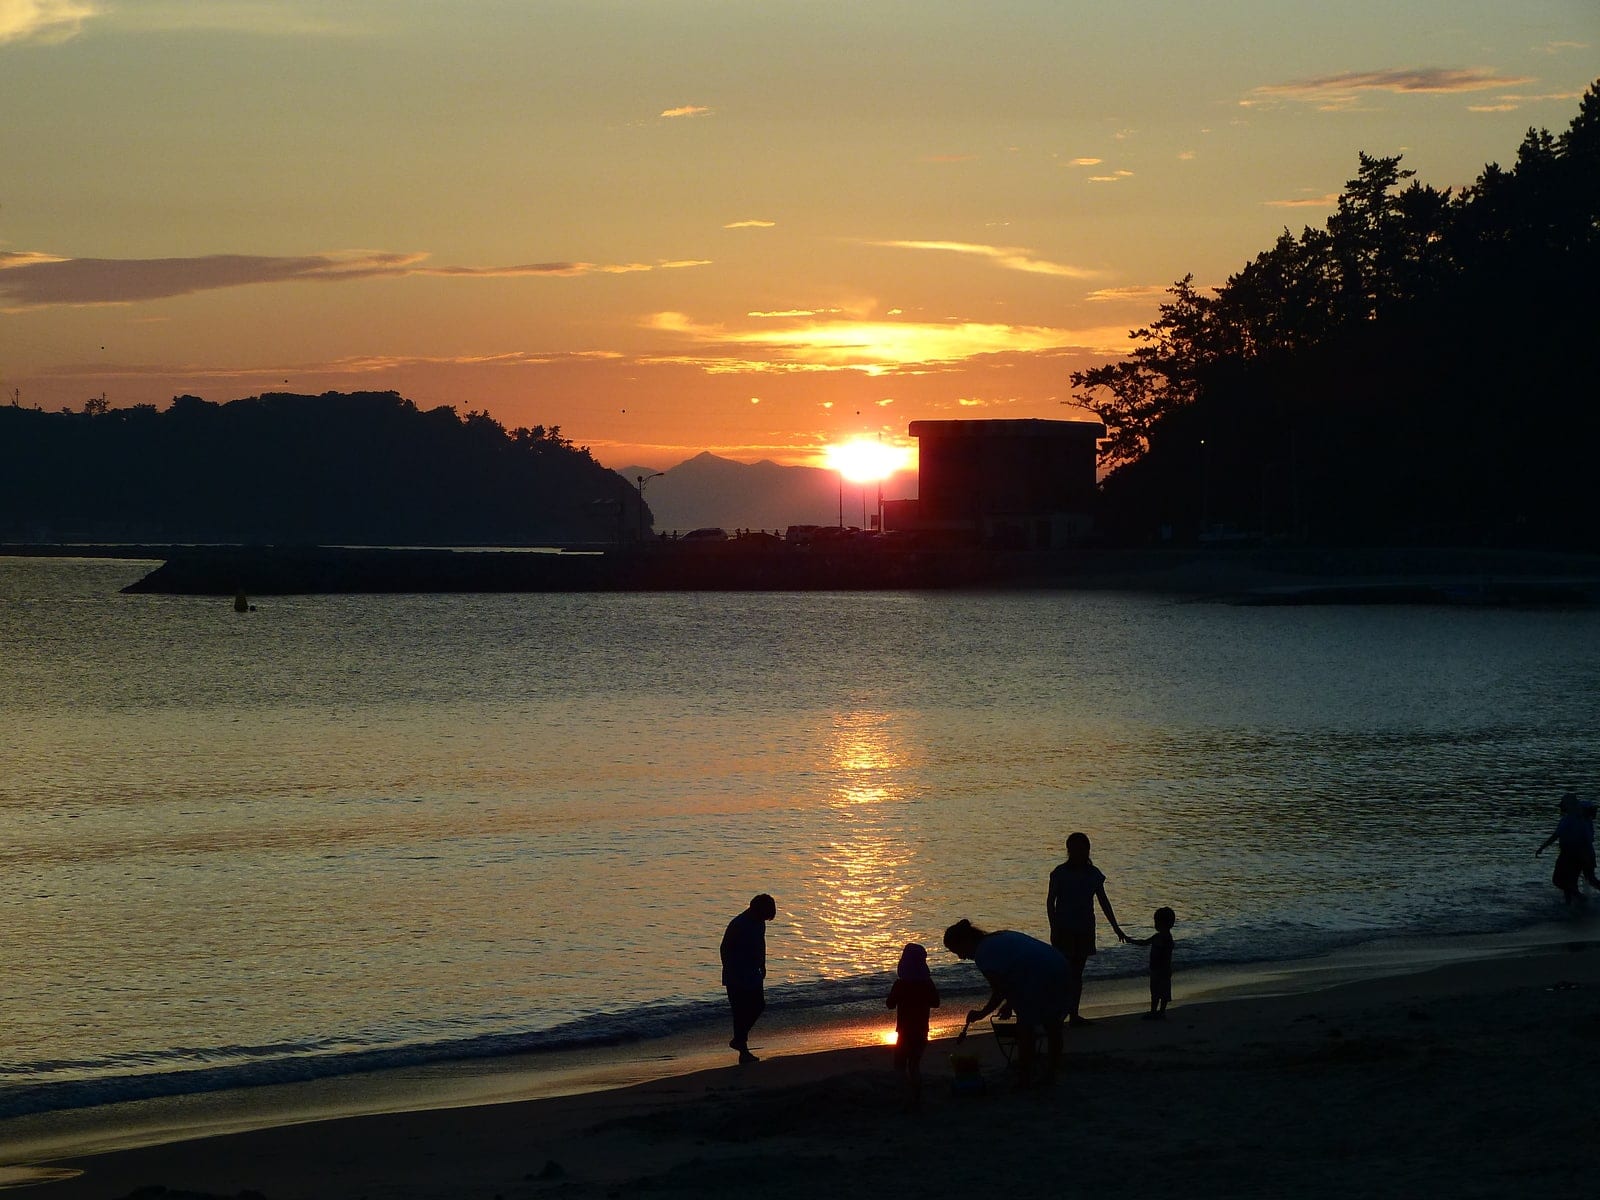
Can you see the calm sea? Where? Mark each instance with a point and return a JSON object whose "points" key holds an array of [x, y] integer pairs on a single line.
{"points": [[349, 832]]}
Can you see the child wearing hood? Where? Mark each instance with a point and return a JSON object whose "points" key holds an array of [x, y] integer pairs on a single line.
{"points": [[912, 997]]}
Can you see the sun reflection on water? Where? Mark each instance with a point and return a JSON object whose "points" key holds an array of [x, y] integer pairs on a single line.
{"points": [[868, 871]]}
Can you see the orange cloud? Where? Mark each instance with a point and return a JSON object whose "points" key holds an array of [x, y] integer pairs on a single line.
{"points": [[873, 347], [1144, 291], [1086, 162], [754, 223], [686, 110], [1009, 257], [797, 312]]}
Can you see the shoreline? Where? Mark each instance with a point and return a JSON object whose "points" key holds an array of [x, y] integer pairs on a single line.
{"points": [[1254, 575], [193, 1143]]}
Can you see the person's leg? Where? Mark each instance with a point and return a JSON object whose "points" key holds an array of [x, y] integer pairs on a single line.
{"points": [[746, 1006], [1052, 1049], [1025, 1040], [914, 1073], [1075, 968]]}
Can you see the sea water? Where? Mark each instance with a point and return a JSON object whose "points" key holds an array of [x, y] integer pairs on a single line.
{"points": [[343, 833]]}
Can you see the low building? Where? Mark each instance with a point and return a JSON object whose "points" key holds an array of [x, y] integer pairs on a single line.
{"points": [[1023, 484]]}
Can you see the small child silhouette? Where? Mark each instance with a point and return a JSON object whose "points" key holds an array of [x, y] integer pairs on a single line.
{"points": [[912, 997], [1160, 943]]}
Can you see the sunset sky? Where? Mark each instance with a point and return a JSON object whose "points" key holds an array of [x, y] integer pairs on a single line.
{"points": [[668, 226]]}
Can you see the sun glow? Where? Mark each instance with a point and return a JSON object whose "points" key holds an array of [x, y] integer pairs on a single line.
{"points": [[864, 461]]}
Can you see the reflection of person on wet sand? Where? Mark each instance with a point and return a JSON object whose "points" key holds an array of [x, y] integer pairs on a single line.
{"points": [[1025, 974], [912, 996], [744, 969], [1074, 887]]}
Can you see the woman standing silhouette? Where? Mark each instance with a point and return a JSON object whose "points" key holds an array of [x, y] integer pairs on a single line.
{"points": [[1074, 887]]}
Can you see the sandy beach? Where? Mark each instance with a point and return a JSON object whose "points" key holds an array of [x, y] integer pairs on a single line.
{"points": [[1467, 1079]]}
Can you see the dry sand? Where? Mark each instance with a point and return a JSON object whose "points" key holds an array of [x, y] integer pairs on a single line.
{"points": [[1468, 1079]]}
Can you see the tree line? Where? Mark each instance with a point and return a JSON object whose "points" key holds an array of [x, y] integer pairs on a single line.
{"points": [[1421, 369], [367, 468]]}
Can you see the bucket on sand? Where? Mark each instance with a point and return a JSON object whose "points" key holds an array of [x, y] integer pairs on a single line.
{"points": [[966, 1073]]}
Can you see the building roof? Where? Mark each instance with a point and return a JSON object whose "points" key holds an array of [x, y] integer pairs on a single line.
{"points": [[999, 427]]}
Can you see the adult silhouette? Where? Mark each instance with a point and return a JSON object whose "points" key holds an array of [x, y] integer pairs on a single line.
{"points": [[1026, 974], [744, 969], [1074, 887]]}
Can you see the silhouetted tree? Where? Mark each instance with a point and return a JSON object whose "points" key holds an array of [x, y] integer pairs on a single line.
{"points": [[364, 468], [1421, 368]]}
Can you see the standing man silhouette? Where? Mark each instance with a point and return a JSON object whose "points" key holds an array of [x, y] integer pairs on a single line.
{"points": [[744, 969]]}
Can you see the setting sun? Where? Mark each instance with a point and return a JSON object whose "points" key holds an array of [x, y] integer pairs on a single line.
{"points": [[865, 461]]}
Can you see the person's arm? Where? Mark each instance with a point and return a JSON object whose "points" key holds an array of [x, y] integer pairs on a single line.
{"points": [[1052, 901], [1545, 845], [894, 995], [1105, 907], [1133, 941], [933, 991], [997, 997]]}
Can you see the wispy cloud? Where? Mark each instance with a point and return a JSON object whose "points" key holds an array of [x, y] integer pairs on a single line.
{"points": [[752, 223], [1012, 258], [1115, 177], [33, 280], [1086, 162], [1512, 101], [872, 347], [1327, 200], [265, 18], [43, 20], [1143, 291], [797, 312], [58, 20], [356, 364], [1343, 90], [686, 110], [564, 270]]}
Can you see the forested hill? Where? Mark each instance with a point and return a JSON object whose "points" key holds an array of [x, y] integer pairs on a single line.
{"points": [[368, 468], [1422, 369]]}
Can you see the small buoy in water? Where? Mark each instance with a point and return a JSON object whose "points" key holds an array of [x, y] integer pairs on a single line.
{"points": [[240, 604]]}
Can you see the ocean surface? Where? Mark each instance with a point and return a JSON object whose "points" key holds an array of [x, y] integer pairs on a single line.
{"points": [[345, 833]]}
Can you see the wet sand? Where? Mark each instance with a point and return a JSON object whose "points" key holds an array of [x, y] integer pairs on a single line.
{"points": [[1462, 1070]]}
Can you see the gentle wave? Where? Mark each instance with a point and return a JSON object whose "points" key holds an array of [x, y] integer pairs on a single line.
{"points": [[30, 1088]]}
